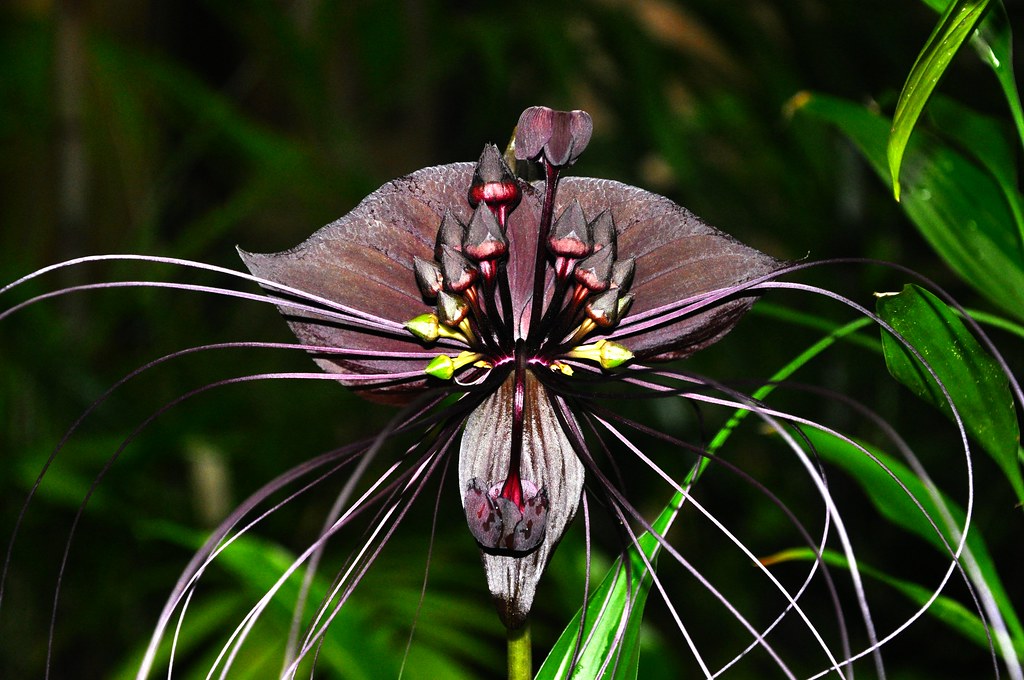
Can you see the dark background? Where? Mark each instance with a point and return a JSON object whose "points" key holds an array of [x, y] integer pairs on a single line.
{"points": [[187, 128]]}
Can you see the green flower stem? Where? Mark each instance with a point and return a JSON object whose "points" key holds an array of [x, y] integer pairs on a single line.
{"points": [[520, 663]]}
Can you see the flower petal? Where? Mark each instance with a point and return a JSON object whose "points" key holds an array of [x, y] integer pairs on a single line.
{"points": [[548, 462], [365, 260], [677, 256]]}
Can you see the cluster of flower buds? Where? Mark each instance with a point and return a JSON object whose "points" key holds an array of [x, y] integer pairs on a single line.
{"points": [[467, 255], [525, 285], [591, 284], [586, 255]]}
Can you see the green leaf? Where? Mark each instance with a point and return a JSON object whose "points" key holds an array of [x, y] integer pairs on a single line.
{"points": [[984, 140], [618, 603], [981, 138], [945, 609], [993, 41], [975, 382], [956, 205], [955, 26], [897, 507]]}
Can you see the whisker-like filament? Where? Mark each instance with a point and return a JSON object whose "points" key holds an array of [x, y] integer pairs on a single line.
{"points": [[818, 547], [413, 417], [327, 304], [421, 476], [426, 570], [577, 440], [791, 599]]}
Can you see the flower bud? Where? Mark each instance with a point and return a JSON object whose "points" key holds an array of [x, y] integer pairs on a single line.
{"points": [[458, 273], [603, 308], [484, 239], [622, 274], [494, 184], [603, 232], [595, 271], [560, 136], [450, 233], [570, 235], [451, 309], [425, 327], [428, 277], [608, 354]]}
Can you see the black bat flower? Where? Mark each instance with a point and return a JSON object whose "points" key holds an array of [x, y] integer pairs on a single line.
{"points": [[501, 315], [522, 289]]}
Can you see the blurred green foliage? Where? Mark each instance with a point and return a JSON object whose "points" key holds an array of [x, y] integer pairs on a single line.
{"points": [[185, 128]]}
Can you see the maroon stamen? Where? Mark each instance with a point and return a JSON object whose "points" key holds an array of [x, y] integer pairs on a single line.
{"points": [[564, 267], [505, 295]]}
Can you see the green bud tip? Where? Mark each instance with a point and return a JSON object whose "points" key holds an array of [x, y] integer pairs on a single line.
{"points": [[441, 367], [608, 354], [425, 327], [613, 354]]}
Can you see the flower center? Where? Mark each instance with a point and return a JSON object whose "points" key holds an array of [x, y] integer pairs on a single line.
{"points": [[579, 287], [468, 280]]}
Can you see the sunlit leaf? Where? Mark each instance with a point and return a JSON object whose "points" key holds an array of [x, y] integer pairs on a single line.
{"points": [[974, 380], [957, 206], [953, 29], [617, 604]]}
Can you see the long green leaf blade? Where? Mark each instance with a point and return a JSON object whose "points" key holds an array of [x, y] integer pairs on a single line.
{"points": [[617, 605], [955, 26], [993, 41]]}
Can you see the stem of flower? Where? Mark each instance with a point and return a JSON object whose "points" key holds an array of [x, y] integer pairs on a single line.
{"points": [[520, 662], [556, 302], [540, 270]]}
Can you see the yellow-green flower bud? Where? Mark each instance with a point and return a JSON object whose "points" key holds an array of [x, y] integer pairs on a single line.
{"points": [[425, 327], [443, 366], [608, 354]]}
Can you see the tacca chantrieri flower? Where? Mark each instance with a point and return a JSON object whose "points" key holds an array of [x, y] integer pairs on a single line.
{"points": [[526, 292]]}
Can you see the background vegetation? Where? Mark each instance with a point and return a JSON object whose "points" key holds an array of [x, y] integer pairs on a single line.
{"points": [[185, 128]]}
